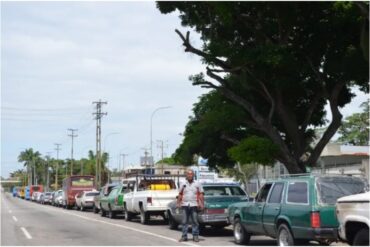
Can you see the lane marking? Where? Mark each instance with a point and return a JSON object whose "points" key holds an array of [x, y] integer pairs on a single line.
{"points": [[26, 233], [15, 219], [132, 229], [113, 224]]}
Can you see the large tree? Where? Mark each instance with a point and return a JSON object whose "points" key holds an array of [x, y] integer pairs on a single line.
{"points": [[281, 62]]}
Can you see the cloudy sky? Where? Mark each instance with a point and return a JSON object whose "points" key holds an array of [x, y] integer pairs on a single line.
{"points": [[59, 57]]}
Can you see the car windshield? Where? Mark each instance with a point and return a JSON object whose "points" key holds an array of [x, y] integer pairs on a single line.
{"points": [[92, 194], [223, 191], [332, 188], [47, 193]]}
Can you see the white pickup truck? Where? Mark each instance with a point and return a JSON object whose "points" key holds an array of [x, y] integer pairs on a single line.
{"points": [[353, 216], [148, 195]]}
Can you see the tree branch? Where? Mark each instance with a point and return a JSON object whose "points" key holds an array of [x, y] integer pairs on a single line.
{"points": [[190, 48], [310, 110], [333, 127], [229, 139]]}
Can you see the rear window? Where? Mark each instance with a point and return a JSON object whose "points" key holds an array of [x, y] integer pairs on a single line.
{"points": [[92, 194], [223, 191], [82, 181], [36, 188], [332, 188], [297, 192]]}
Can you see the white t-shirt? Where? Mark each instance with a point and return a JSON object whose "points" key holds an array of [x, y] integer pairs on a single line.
{"points": [[189, 191]]}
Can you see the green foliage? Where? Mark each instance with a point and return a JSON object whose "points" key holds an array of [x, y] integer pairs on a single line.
{"points": [[254, 149], [167, 160], [355, 128], [278, 64], [216, 121]]}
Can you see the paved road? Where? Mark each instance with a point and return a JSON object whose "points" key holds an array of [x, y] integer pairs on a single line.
{"points": [[28, 223]]}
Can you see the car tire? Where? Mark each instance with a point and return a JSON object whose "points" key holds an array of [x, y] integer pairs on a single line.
{"points": [[95, 209], [172, 224], [82, 208], [284, 237], [102, 212], [144, 216], [361, 238], [241, 236], [128, 215], [111, 214]]}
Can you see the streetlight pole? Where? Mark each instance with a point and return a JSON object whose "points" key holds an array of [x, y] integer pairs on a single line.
{"points": [[108, 160], [151, 128]]}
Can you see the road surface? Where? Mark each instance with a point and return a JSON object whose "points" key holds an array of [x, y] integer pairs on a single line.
{"points": [[28, 223]]}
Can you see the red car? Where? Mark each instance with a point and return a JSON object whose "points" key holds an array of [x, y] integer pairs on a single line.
{"points": [[75, 184]]}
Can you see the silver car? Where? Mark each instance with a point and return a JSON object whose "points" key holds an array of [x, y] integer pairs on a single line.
{"points": [[85, 199], [46, 199], [58, 198]]}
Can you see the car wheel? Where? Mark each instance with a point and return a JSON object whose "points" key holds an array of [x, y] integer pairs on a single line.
{"points": [[241, 236], [285, 237], [82, 208], [144, 216], [95, 209], [173, 225], [111, 214], [102, 212], [361, 238], [128, 215]]}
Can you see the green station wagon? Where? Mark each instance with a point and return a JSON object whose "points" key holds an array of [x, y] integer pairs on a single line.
{"points": [[112, 202], [294, 210], [217, 198]]}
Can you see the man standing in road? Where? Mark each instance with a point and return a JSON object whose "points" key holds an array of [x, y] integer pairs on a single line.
{"points": [[191, 200]]}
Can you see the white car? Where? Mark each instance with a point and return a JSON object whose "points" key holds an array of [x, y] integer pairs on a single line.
{"points": [[34, 196], [353, 216], [148, 195], [85, 199]]}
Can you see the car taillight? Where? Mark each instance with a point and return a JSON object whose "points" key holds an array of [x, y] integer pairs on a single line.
{"points": [[149, 200], [315, 219]]}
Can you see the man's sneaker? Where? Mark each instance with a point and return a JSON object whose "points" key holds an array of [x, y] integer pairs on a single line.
{"points": [[183, 239], [196, 239]]}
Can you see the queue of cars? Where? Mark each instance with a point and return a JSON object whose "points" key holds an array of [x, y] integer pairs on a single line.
{"points": [[294, 209]]}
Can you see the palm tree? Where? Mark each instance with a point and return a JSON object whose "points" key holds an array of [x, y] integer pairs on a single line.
{"points": [[30, 159]]}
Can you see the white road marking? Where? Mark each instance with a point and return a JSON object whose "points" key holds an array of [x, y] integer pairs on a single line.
{"points": [[112, 224], [15, 219], [130, 228], [26, 233]]}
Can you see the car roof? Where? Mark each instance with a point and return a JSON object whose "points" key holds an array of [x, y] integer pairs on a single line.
{"points": [[221, 184], [295, 177]]}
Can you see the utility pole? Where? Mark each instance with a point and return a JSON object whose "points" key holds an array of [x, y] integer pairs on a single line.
{"points": [[123, 164], [98, 115], [47, 170], [56, 172], [146, 160], [72, 135], [161, 146]]}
